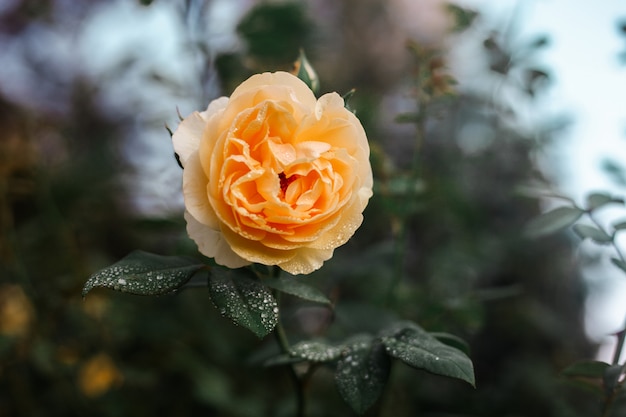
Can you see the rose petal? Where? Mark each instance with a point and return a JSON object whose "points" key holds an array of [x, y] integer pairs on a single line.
{"points": [[306, 260], [186, 137], [342, 230], [212, 244], [255, 251], [328, 102], [300, 92], [196, 193]]}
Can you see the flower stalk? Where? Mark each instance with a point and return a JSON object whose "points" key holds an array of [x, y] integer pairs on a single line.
{"points": [[285, 347]]}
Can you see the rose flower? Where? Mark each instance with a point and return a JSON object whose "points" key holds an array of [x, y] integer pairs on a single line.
{"points": [[273, 175]]}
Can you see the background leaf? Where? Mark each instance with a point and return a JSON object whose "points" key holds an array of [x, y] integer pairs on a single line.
{"points": [[619, 263], [244, 299], [552, 221], [144, 273], [593, 233], [586, 369], [417, 348], [315, 351], [362, 371], [619, 225], [295, 286], [598, 199]]}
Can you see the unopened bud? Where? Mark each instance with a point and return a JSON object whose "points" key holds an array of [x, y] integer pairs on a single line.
{"points": [[304, 70]]}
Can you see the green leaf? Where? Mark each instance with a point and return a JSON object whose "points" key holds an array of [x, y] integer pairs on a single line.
{"points": [[586, 369], [593, 233], [407, 118], [453, 341], [346, 100], [552, 221], [242, 298], [463, 17], [315, 351], [403, 186], [597, 200], [419, 349], [295, 286], [307, 74], [362, 372], [282, 359], [619, 263], [620, 225], [144, 273]]}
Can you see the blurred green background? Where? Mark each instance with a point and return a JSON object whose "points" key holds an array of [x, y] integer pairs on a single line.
{"points": [[87, 174]]}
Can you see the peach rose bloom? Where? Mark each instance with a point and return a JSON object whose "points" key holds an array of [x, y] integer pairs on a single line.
{"points": [[273, 175]]}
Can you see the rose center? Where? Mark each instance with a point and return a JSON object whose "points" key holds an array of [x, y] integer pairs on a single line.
{"points": [[285, 181]]}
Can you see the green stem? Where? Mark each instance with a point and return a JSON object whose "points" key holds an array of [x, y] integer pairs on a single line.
{"points": [[401, 241], [608, 402], [285, 347], [621, 336], [620, 345]]}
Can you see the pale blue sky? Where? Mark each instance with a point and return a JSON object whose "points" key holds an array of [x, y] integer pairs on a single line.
{"points": [[590, 86]]}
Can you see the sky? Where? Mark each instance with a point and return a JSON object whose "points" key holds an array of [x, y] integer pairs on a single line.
{"points": [[589, 87]]}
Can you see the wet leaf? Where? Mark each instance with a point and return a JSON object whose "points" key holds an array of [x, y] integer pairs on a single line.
{"points": [[593, 233], [452, 340], [242, 298], [419, 349], [144, 273], [315, 351], [295, 286], [362, 372], [553, 221]]}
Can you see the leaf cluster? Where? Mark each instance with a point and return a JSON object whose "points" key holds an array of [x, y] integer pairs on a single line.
{"points": [[362, 363]]}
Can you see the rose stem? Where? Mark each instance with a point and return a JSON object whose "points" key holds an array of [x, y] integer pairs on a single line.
{"points": [[283, 342]]}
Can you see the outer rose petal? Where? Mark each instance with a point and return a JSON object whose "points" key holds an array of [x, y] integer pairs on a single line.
{"points": [[301, 92], [306, 261], [211, 243], [195, 193], [186, 138]]}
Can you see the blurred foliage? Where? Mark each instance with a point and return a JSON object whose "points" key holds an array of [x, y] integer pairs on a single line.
{"points": [[467, 270], [274, 33]]}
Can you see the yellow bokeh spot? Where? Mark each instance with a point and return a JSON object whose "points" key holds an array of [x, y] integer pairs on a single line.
{"points": [[16, 311], [98, 375]]}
